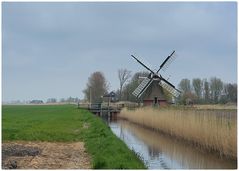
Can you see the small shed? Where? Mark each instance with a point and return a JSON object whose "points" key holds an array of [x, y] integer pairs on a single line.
{"points": [[110, 97]]}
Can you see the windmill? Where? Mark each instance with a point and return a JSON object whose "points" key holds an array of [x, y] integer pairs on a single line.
{"points": [[154, 84]]}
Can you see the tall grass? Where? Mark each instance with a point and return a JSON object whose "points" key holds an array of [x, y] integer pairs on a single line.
{"points": [[216, 106], [214, 130], [181, 153]]}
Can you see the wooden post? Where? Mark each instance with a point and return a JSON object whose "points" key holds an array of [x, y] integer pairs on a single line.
{"points": [[108, 108], [101, 110]]}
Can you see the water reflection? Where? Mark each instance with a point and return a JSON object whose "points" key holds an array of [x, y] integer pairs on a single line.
{"points": [[161, 152]]}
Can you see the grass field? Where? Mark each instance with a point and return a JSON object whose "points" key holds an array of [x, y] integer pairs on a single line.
{"points": [[66, 123], [214, 130]]}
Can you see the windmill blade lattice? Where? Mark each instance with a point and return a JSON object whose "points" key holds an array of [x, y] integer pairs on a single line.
{"points": [[143, 62], [169, 88], [142, 86], [167, 61]]}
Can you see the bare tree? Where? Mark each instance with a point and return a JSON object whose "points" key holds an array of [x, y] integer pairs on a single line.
{"points": [[186, 95], [197, 86], [231, 92], [206, 91], [96, 87], [124, 75], [216, 87], [51, 100], [185, 85]]}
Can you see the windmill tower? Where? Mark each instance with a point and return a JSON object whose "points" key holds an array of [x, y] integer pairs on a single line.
{"points": [[151, 89]]}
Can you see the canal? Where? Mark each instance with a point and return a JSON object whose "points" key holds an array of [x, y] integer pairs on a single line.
{"points": [[163, 152]]}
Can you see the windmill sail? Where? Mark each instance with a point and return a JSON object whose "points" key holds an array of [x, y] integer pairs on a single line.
{"points": [[142, 87], [142, 63], [169, 88], [167, 61]]}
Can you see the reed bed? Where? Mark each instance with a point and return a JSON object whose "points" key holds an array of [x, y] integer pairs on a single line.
{"points": [[214, 130], [216, 106], [186, 156]]}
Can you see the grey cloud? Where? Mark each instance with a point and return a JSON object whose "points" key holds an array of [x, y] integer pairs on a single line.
{"points": [[43, 42]]}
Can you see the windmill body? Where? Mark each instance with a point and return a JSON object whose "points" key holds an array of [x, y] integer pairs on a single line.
{"points": [[152, 89], [154, 95]]}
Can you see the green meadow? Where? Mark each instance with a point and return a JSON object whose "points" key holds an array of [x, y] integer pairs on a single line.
{"points": [[66, 123]]}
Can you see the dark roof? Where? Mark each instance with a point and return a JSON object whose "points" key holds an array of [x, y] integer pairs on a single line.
{"points": [[111, 94]]}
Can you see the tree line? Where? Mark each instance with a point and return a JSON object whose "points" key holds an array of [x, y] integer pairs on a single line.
{"points": [[63, 100], [197, 90], [49, 100], [204, 91]]}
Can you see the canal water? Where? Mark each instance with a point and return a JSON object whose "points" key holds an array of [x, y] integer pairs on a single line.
{"points": [[162, 152]]}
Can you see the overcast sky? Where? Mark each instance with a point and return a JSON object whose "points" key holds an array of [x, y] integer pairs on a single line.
{"points": [[50, 49]]}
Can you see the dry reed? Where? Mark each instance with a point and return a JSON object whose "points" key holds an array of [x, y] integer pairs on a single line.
{"points": [[210, 129], [216, 106], [187, 156]]}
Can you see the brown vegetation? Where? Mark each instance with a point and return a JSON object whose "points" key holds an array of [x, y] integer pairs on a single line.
{"points": [[216, 106], [44, 155], [184, 154], [96, 87], [210, 129]]}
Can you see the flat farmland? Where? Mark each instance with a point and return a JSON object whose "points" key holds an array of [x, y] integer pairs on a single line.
{"points": [[67, 124]]}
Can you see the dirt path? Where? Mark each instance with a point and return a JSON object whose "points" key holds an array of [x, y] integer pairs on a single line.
{"points": [[44, 155]]}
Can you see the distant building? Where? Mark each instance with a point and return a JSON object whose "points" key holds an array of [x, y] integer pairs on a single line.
{"points": [[111, 97], [36, 102]]}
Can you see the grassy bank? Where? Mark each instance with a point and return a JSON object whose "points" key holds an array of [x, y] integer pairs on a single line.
{"points": [[65, 123], [214, 130]]}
